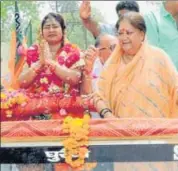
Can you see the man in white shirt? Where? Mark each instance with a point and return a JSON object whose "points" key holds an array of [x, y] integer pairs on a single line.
{"points": [[104, 46]]}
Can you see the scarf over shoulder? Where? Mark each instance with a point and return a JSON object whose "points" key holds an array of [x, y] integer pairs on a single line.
{"points": [[146, 87]]}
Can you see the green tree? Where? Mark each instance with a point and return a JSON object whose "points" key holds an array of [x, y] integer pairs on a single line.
{"points": [[28, 11], [76, 33]]}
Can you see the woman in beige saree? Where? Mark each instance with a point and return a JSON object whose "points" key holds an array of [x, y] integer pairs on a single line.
{"points": [[138, 80]]}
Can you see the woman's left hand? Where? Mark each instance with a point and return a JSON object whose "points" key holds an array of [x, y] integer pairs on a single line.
{"points": [[87, 100]]}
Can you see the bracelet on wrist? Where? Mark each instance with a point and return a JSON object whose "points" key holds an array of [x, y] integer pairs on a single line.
{"points": [[104, 111]]}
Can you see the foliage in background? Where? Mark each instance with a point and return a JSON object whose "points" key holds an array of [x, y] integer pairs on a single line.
{"points": [[76, 33], [31, 10], [28, 10]]}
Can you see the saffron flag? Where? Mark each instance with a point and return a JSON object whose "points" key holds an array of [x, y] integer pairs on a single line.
{"points": [[16, 61], [28, 34]]}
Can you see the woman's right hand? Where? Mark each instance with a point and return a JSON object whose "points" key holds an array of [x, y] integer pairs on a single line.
{"points": [[45, 53], [37, 66]]}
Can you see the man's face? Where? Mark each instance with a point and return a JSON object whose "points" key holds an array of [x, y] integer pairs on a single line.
{"points": [[106, 47]]}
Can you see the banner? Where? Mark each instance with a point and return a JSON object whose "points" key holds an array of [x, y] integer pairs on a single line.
{"points": [[19, 36]]}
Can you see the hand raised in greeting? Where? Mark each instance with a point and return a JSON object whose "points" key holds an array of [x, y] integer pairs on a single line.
{"points": [[85, 10]]}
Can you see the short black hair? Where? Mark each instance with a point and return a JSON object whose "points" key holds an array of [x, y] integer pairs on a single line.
{"points": [[127, 5]]}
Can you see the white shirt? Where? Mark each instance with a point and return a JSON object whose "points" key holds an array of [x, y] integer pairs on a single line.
{"points": [[97, 69]]}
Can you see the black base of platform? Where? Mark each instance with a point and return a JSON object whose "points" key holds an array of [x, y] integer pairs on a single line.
{"points": [[97, 153]]}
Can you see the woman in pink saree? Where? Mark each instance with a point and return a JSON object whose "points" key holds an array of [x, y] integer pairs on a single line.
{"points": [[55, 66]]}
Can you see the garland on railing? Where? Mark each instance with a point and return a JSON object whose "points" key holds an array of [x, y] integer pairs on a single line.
{"points": [[20, 104], [77, 129], [76, 143], [10, 99]]}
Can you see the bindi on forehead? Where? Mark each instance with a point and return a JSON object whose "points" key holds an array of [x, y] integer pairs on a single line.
{"points": [[125, 30]]}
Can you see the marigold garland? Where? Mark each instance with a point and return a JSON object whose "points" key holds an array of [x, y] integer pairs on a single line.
{"points": [[23, 104], [76, 144], [10, 99]]}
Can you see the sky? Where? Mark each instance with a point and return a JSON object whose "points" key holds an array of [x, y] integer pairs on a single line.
{"points": [[107, 8]]}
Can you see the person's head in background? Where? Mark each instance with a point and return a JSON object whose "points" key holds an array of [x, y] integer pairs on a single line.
{"points": [[53, 28], [172, 8], [105, 44], [125, 6]]}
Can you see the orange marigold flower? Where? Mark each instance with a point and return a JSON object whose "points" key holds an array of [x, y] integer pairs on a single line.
{"points": [[3, 95], [74, 46], [8, 113], [77, 123], [77, 141], [4, 105], [90, 166]]}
